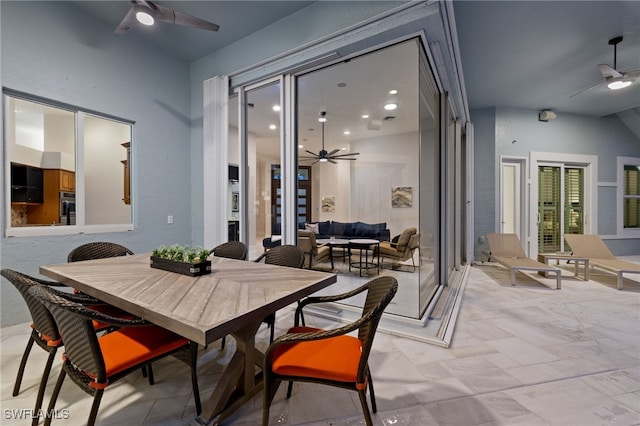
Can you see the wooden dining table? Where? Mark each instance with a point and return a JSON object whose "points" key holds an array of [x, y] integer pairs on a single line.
{"points": [[233, 299]]}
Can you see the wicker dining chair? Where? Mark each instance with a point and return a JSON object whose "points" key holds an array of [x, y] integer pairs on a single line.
{"points": [[329, 357], [97, 250], [283, 255], [44, 331], [95, 362], [231, 250]]}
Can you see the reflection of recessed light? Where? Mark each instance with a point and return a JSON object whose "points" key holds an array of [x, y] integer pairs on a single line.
{"points": [[390, 106], [276, 108], [300, 146], [393, 92], [346, 132], [272, 126], [365, 115]]}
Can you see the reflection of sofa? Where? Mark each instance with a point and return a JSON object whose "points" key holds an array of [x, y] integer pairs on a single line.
{"points": [[332, 228]]}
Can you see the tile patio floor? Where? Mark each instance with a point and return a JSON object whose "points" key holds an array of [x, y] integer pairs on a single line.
{"points": [[524, 355]]}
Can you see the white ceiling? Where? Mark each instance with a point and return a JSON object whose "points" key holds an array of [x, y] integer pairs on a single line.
{"points": [[522, 54]]}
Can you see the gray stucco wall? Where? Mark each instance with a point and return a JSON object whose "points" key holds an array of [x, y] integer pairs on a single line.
{"points": [[484, 165], [55, 51]]}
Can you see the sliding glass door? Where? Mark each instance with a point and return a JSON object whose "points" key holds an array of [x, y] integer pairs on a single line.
{"points": [[561, 204]]}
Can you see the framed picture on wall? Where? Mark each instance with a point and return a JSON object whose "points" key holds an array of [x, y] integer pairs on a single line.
{"points": [[328, 204], [401, 196], [235, 202]]}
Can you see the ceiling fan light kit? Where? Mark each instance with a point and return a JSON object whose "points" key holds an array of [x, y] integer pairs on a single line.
{"points": [[619, 84], [144, 17]]}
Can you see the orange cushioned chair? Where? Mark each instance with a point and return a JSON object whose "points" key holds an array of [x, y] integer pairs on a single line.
{"points": [[44, 331], [95, 362], [330, 357]]}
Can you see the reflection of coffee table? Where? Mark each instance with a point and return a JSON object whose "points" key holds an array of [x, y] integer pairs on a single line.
{"points": [[365, 246], [337, 243]]}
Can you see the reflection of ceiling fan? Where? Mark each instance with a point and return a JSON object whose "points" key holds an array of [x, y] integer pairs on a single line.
{"points": [[323, 156], [612, 77], [146, 12]]}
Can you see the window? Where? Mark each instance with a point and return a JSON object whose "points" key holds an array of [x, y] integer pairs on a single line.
{"points": [[631, 196], [68, 170]]}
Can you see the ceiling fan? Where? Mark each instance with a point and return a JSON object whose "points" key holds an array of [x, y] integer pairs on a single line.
{"points": [[323, 156], [613, 78], [147, 12]]}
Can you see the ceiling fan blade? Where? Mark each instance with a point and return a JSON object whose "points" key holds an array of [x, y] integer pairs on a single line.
{"points": [[631, 74], [608, 71], [343, 158], [171, 16], [345, 155], [312, 153], [586, 89], [331, 161], [127, 22], [334, 151]]}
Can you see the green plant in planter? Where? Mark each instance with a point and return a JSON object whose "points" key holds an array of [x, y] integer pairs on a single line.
{"points": [[180, 253]]}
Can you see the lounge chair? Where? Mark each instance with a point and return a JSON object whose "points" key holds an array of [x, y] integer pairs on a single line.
{"points": [[593, 248], [507, 250]]}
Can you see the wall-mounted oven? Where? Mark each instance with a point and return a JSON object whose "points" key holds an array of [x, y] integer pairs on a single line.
{"points": [[67, 208]]}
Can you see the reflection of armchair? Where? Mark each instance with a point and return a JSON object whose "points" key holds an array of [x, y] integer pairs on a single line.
{"points": [[403, 249], [316, 254]]}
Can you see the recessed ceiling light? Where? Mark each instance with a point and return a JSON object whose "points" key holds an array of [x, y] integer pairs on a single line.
{"points": [[342, 84], [276, 108], [346, 132], [272, 126], [300, 146], [344, 148], [365, 115], [393, 92], [390, 106]]}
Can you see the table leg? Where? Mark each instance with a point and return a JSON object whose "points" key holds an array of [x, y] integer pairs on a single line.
{"points": [[238, 382]]}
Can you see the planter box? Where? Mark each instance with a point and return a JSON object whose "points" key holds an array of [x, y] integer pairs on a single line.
{"points": [[191, 269]]}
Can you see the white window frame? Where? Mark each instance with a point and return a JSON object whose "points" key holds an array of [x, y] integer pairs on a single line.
{"points": [[622, 231], [80, 228]]}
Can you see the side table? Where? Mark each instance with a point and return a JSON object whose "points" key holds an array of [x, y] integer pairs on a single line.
{"points": [[545, 257], [365, 246]]}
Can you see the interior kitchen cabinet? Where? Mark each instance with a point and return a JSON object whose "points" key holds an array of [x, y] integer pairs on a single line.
{"points": [[55, 182], [26, 184]]}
